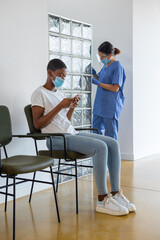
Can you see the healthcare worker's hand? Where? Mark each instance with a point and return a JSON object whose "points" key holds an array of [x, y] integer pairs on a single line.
{"points": [[95, 81], [93, 71]]}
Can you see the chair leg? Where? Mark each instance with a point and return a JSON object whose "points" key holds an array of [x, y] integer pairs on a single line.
{"points": [[34, 175], [14, 207], [59, 162], [76, 186], [55, 194], [5, 208]]}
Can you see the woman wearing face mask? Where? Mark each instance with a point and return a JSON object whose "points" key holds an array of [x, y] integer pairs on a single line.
{"points": [[109, 98], [52, 113]]}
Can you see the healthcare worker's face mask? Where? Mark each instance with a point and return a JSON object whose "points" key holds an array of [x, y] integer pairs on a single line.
{"points": [[105, 60], [58, 82], [102, 58]]}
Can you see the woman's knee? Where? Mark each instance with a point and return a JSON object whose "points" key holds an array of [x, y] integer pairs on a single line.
{"points": [[112, 143], [115, 145], [101, 146]]}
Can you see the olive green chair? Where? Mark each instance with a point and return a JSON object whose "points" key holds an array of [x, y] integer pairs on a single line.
{"points": [[68, 156], [10, 167]]}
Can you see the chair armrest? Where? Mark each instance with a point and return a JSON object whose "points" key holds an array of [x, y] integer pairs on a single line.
{"points": [[85, 129], [0, 160], [40, 136]]}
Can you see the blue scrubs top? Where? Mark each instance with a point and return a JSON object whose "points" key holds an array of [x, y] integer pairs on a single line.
{"points": [[109, 104]]}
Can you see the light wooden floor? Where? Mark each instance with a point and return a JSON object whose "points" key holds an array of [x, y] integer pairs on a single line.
{"points": [[141, 184]]}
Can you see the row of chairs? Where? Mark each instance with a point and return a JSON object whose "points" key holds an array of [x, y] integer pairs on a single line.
{"points": [[11, 167]]}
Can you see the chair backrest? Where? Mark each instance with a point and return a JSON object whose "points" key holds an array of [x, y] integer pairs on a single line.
{"points": [[5, 126], [28, 113]]}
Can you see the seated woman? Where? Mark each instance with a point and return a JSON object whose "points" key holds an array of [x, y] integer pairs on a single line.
{"points": [[51, 115]]}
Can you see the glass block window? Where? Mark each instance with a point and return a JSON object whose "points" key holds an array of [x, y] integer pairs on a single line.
{"points": [[71, 41]]}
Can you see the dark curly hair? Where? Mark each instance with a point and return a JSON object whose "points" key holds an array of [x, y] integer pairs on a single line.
{"points": [[55, 64]]}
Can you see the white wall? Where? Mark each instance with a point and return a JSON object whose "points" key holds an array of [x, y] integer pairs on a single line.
{"points": [[23, 59], [23, 51], [146, 77], [112, 21], [24, 56]]}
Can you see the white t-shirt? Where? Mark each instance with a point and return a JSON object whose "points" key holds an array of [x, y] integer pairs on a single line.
{"points": [[49, 100]]}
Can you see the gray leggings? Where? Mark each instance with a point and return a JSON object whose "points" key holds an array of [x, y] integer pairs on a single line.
{"points": [[105, 150]]}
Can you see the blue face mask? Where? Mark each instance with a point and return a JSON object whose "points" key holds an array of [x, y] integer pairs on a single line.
{"points": [[105, 61], [58, 82]]}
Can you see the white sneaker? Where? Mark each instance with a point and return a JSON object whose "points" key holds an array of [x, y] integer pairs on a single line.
{"points": [[111, 207], [121, 199]]}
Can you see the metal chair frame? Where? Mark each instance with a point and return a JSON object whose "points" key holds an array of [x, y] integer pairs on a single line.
{"points": [[22, 180], [59, 172]]}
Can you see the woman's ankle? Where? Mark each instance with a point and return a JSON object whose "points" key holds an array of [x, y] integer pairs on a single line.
{"points": [[114, 193], [101, 197]]}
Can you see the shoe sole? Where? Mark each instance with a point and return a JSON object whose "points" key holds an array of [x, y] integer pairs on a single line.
{"points": [[106, 211], [132, 210]]}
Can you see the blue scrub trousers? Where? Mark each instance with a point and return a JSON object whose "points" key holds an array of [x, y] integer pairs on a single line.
{"points": [[107, 125]]}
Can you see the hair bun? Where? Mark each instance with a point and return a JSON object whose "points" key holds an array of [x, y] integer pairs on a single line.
{"points": [[117, 51]]}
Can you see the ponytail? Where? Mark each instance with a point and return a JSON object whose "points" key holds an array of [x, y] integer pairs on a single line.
{"points": [[117, 51]]}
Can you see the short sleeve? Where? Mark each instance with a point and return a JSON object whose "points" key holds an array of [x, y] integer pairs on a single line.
{"points": [[118, 75], [37, 98]]}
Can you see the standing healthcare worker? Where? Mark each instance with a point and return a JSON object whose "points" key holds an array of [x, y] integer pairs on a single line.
{"points": [[109, 98]]}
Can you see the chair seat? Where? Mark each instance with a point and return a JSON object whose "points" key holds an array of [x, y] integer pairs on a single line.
{"points": [[25, 164], [60, 154]]}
